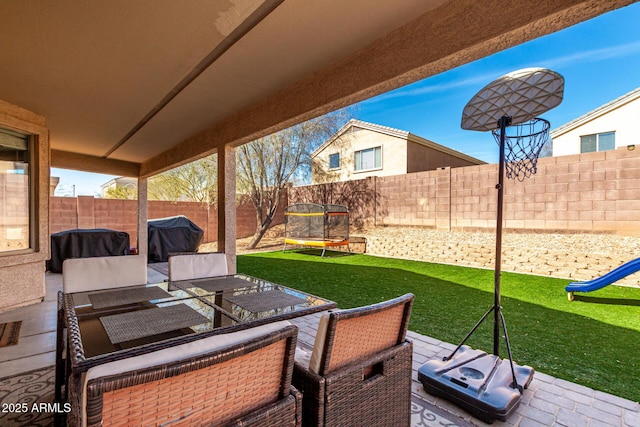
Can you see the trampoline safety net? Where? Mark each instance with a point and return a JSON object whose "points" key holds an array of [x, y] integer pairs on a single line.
{"points": [[312, 224]]}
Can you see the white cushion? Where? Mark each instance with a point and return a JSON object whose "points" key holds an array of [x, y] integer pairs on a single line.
{"points": [[89, 274], [171, 354], [318, 345], [197, 266]]}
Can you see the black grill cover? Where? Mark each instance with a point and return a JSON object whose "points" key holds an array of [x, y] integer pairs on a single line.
{"points": [[85, 243], [173, 234]]}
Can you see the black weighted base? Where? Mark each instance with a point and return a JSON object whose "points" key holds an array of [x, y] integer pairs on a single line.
{"points": [[478, 382]]}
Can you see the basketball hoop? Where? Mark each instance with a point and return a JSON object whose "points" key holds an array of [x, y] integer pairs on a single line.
{"points": [[472, 378], [513, 103], [523, 143]]}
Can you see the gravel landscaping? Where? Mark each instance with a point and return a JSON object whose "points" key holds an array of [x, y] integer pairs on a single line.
{"points": [[572, 256]]}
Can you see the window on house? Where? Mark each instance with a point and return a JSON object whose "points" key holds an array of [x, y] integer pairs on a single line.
{"points": [[371, 158], [334, 161], [598, 142], [15, 200]]}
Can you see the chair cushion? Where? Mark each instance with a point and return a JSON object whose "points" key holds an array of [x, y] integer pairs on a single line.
{"points": [[88, 274], [318, 346], [172, 354], [196, 266]]}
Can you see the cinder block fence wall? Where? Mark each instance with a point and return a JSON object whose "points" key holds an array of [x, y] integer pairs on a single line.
{"points": [[593, 193], [584, 193], [68, 213], [579, 195]]}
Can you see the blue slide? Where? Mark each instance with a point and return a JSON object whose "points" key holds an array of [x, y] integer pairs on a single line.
{"points": [[613, 276]]}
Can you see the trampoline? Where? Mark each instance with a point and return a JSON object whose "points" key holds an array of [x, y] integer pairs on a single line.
{"points": [[319, 226]]}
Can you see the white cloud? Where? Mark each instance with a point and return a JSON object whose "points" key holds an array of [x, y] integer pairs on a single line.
{"points": [[594, 55], [479, 80], [438, 88]]}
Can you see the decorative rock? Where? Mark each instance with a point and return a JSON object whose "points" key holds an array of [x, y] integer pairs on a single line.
{"points": [[570, 256]]}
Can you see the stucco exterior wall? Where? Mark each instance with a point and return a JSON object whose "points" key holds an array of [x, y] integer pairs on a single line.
{"points": [[22, 272], [622, 121], [394, 156]]}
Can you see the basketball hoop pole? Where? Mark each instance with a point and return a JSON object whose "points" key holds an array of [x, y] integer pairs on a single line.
{"points": [[474, 379], [502, 123], [498, 318]]}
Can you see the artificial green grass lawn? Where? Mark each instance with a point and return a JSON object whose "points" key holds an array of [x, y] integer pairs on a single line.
{"points": [[594, 340]]}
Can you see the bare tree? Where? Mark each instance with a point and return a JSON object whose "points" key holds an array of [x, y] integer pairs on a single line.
{"points": [[195, 182], [267, 165], [547, 149]]}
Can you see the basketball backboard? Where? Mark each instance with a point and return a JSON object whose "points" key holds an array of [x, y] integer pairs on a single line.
{"points": [[522, 95]]}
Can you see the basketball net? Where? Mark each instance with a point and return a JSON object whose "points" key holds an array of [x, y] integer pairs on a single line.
{"points": [[523, 143]]}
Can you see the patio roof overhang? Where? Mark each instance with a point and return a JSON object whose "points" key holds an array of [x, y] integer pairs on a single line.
{"points": [[135, 88]]}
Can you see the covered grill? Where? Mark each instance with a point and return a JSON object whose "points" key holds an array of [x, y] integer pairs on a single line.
{"points": [[171, 235]]}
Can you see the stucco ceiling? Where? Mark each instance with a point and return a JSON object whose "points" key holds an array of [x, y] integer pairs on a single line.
{"points": [[159, 82]]}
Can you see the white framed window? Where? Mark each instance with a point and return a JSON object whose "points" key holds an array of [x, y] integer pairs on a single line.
{"points": [[334, 161], [16, 215], [370, 158], [598, 142]]}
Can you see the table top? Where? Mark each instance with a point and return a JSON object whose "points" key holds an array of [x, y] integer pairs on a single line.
{"points": [[112, 324]]}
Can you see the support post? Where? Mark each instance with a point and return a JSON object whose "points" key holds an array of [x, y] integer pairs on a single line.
{"points": [[227, 205], [143, 211]]}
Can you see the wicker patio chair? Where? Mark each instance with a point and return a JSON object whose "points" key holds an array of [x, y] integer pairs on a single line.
{"points": [[197, 266], [359, 373], [236, 379], [91, 274]]}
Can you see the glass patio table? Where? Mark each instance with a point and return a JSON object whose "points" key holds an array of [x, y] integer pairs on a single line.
{"points": [[249, 299], [107, 325]]}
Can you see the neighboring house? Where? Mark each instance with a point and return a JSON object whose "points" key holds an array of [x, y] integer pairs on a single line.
{"points": [[360, 149], [53, 183], [130, 184], [610, 126]]}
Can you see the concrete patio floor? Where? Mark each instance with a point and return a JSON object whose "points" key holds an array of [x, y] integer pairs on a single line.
{"points": [[548, 401]]}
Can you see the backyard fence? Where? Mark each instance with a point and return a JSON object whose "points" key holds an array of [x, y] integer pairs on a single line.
{"points": [[584, 193], [68, 213]]}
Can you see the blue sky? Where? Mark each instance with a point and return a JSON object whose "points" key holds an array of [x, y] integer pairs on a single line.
{"points": [[75, 183], [599, 60]]}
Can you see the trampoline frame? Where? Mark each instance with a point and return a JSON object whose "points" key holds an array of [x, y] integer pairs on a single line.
{"points": [[326, 211]]}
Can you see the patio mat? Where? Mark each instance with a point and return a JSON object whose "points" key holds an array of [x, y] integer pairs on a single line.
{"points": [[153, 321], [213, 285], [426, 414], [31, 387], [127, 296], [265, 301], [9, 333]]}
